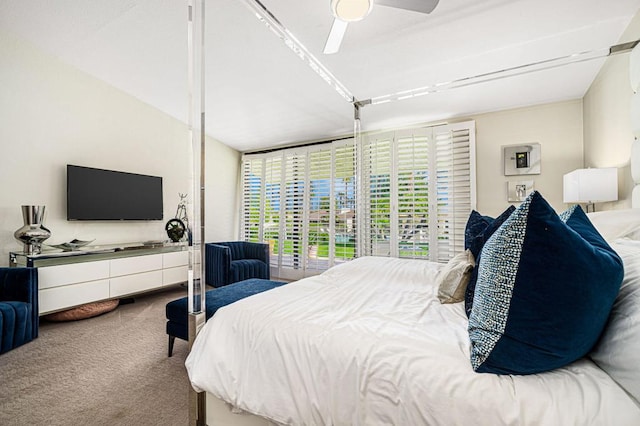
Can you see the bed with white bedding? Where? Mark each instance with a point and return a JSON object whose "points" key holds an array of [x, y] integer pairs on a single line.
{"points": [[368, 342]]}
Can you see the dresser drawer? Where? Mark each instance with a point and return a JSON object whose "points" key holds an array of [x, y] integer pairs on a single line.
{"points": [[135, 283], [135, 265], [175, 275], [54, 276], [64, 297], [172, 260]]}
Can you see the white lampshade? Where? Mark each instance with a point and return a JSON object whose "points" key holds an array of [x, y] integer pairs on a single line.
{"points": [[591, 185], [351, 10]]}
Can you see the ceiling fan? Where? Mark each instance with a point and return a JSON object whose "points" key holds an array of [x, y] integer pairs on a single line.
{"points": [[346, 11]]}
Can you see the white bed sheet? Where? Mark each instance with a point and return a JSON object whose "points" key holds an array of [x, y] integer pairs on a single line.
{"points": [[368, 342]]}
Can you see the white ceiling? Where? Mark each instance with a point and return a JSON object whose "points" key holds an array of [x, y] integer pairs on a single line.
{"points": [[260, 94]]}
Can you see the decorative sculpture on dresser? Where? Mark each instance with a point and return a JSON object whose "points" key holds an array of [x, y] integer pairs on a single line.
{"points": [[33, 232]]}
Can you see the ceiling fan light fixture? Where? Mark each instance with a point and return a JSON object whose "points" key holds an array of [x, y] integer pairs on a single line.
{"points": [[351, 10]]}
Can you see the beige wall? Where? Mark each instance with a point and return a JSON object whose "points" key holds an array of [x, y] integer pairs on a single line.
{"points": [[52, 115], [558, 129], [222, 193], [607, 125]]}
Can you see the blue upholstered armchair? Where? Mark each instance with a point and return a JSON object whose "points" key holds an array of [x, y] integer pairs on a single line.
{"points": [[18, 307], [230, 262]]}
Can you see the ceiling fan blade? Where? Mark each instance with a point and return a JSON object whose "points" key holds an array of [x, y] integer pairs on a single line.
{"points": [[422, 6], [338, 29]]}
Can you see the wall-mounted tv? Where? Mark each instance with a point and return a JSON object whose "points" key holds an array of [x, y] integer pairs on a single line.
{"points": [[97, 194]]}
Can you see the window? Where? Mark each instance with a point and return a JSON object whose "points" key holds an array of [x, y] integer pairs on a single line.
{"points": [[418, 188], [408, 195], [302, 202]]}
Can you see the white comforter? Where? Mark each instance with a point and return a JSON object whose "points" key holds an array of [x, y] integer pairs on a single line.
{"points": [[368, 343]]}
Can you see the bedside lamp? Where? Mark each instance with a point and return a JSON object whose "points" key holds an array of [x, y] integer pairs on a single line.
{"points": [[591, 186]]}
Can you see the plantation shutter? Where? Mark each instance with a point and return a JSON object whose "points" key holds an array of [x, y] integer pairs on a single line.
{"points": [[343, 194], [455, 171], [319, 209], [412, 193], [251, 215], [418, 188], [302, 202], [411, 197], [272, 201], [292, 212], [375, 196]]}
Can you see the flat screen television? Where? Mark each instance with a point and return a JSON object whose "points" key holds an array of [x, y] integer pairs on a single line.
{"points": [[97, 194]]}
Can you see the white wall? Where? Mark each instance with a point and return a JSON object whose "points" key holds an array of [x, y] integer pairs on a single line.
{"points": [[222, 192], [52, 115], [607, 124], [558, 129]]}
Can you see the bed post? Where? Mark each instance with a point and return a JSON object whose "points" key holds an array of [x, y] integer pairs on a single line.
{"points": [[196, 126], [361, 240], [197, 400]]}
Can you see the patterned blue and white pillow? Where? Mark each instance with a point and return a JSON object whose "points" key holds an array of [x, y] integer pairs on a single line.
{"points": [[544, 291]]}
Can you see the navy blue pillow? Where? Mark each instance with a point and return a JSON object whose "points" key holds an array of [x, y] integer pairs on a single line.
{"points": [[479, 228], [545, 288], [476, 224]]}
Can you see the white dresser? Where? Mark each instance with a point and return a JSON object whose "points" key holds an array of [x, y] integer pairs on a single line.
{"points": [[68, 280]]}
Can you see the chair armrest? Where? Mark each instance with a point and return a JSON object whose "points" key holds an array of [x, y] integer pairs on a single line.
{"points": [[258, 251], [217, 264], [21, 285]]}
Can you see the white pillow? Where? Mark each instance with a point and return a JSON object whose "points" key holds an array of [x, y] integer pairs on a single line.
{"points": [[618, 350], [452, 280], [613, 224]]}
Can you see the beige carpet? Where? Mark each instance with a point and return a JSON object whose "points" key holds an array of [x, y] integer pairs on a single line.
{"points": [[109, 370]]}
